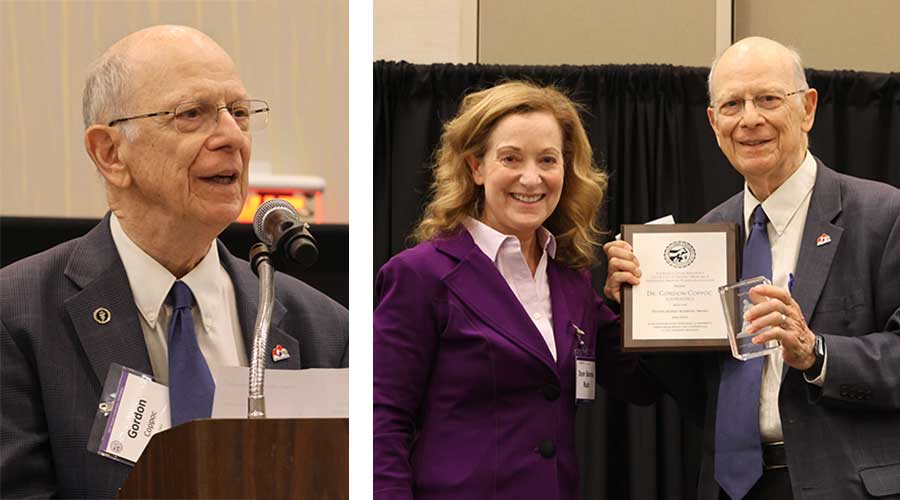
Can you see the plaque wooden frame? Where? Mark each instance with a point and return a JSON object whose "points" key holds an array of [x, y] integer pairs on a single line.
{"points": [[631, 344]]}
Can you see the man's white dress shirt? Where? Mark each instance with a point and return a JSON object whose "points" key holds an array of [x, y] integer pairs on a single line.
{"points": [[214, 311], [786, 208]]}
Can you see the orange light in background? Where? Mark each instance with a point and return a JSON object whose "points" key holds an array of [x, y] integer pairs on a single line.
{"points": [[253, 202], [300, 201], [318, 208]]}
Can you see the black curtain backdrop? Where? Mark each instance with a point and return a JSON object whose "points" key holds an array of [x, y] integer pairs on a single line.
{"points": [[648, 128]]}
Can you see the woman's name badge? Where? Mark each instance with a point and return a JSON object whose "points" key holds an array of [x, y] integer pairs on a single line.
{"points": [[132, 408], [585, 370], [584, 380]]}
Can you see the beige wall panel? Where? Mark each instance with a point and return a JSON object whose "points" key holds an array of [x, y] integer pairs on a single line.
{"points": [[293, 54], [597, 32], [830, 34], [425, 31]]}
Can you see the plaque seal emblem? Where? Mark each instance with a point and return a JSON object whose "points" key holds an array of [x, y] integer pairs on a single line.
{"points": [[679, 254]]}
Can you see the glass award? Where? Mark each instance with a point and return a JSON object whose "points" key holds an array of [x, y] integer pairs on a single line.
{"points": [[735, 302]]}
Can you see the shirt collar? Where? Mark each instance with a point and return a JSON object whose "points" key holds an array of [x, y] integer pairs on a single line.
{"points": [[489, 240], [782, 205], [150, 282]]}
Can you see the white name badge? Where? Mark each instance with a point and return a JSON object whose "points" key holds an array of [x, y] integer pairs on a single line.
{"points": [[132, 409], [584, 380]]}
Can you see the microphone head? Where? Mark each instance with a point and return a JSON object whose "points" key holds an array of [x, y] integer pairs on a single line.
{"points": [[264, 211]]}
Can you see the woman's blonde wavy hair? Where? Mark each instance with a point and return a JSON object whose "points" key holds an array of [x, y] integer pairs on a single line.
{"points": [[454, 194]]}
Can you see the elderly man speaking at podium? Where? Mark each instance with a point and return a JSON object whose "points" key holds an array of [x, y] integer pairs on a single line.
{"points": [[169, 127]]}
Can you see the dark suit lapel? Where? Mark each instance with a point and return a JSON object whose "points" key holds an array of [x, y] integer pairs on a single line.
{"points": [[246, 293], [565, 340], [814, 261], [477, 284], [96, 268]]}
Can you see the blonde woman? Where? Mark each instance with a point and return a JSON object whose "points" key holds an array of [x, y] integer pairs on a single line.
{"points": [[480, 327]]}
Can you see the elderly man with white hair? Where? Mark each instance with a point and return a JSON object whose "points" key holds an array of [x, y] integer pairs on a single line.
{"points": [[169, 127], [822, 418]]}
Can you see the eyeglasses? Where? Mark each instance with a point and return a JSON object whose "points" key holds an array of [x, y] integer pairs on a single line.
{"points": [[189, 117], [768, 101]]}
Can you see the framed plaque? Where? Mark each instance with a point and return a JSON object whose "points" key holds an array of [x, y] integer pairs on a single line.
{"points": [[677, 307]]}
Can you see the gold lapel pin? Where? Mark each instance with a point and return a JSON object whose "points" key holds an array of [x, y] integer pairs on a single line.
{"points": [[102, 315]]}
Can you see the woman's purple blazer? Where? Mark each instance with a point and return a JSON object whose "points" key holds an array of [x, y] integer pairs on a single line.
{"points": [[468, 401]]}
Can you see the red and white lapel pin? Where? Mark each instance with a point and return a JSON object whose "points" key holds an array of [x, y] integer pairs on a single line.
{"points": [[279, 353]]}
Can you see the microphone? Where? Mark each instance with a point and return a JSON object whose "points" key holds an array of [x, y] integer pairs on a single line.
{"points": [[277, 224]]}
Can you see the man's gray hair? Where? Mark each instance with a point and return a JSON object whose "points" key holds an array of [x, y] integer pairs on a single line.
{"points": [[106, 90], [796, 62]]}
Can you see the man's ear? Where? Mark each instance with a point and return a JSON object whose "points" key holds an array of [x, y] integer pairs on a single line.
{"points": [[711, 115], [102, 144], [475, 166], [810, 102]]}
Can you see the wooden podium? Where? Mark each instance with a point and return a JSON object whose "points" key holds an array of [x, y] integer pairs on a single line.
{"points": [[241, 458]]}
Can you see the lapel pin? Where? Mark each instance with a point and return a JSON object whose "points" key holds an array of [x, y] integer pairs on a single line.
{"points": [[823, 239], [102, 315], [279, 353]]}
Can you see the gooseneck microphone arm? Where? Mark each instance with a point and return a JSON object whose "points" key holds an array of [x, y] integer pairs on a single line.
{"points": [[259, 260], [280, 230]]}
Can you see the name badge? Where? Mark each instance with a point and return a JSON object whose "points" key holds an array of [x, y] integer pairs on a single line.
{"points": [[585, 370], [584, 380], [132, 409]]}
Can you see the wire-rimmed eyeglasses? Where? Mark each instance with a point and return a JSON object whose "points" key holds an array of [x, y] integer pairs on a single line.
{"points": [[251, 115], [767, 101]]}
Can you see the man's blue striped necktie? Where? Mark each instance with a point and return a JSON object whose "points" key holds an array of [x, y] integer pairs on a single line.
{"points": [[191, 385], [739, 463]]}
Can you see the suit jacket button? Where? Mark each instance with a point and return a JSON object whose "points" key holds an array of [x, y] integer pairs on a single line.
{"points": [[551, 392], [547, 449]]}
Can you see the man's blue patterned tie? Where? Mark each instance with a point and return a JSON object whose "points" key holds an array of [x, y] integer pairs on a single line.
{"points": [[191, 385], [739, 463]]}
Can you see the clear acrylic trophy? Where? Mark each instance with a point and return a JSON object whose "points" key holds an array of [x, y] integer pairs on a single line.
{"points": [[735, 302]]}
